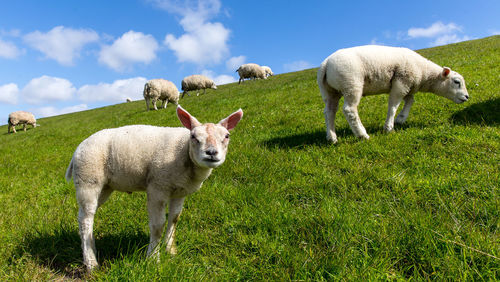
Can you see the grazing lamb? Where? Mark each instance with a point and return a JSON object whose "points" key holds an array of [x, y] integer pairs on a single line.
{"points": [[268, 71], [20, 117], [167, 163], [128, 100], [250, 71], [160, 89], [370, 70], [196, 82]]}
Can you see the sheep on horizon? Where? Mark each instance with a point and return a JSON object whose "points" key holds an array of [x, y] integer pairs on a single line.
{"points": [[370, 70], [196, 82], [20, 117], [168, 163], [251, 71], [160, 89], [267, 70]]}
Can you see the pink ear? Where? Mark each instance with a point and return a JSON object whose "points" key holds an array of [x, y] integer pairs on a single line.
{"points": [[232, 120], [186, 119], [446, 71]]}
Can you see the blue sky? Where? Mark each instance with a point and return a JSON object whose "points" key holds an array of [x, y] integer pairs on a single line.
{"points": [[64, 56]]}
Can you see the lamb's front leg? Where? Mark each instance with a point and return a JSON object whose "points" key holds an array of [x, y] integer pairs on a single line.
{"points": [[395, 97], [156, 211], [351, 102], [403, 115], [174, 212]]}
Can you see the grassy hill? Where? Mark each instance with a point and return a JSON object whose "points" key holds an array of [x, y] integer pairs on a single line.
{"points": [[422, 202]]}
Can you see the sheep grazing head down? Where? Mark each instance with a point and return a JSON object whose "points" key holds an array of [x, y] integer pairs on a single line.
{"points": [[208, 142], [453, 86]]}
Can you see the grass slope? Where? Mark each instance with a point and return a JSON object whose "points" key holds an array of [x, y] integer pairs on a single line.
{"points": [[421, 203]]}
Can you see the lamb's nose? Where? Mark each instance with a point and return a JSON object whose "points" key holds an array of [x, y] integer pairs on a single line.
{"points": [[467, 97], [211, 152]]}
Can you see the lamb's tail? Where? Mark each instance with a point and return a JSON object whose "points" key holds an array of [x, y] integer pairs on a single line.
{"points": [[146, 89], [69, 171], [321, 78]]}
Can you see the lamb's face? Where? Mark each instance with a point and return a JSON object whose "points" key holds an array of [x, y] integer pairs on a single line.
{"points": [[213, 86], [208, 145], [454, 86]]}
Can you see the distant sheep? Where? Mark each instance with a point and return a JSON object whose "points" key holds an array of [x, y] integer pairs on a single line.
{"points": [[160, 89], [129, 100], [250, 71], [20, 117], [167, 163], [370, 70], [196, 82], [267, 70]]}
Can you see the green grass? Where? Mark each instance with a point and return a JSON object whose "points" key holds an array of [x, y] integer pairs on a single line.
{"points": [[419, 203]]}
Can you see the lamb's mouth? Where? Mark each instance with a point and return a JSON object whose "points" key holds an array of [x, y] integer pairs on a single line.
{"points": [[211, 160]]}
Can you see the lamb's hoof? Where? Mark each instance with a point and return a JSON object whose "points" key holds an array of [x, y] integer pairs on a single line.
{"points": [[366, 137], [399, 121], [332, 139], [172, 251], [91, 266]]}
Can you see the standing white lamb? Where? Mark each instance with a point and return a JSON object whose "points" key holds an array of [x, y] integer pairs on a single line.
{"points": [[167, 163], [370, 70], [251, 71], [267, 70], [128, 100], [196, 82], [20, 117], [160, 89]]}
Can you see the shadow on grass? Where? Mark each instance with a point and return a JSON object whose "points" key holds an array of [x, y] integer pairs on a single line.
{"points": [[487, 112], [299, 141], [318, 138], [61, 252]]}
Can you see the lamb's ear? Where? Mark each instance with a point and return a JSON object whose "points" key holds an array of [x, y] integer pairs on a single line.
{"points": [[187, 119], [446, 71], [232, 120]]}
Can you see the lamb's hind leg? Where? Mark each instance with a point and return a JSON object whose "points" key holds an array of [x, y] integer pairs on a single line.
{"points": [[88, 199], [351, 102], [331, 107], [174, 212]]}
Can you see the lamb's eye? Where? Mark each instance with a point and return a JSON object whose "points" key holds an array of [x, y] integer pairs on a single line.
{"points": [[194, 138], [227, 136], [457, 82]]}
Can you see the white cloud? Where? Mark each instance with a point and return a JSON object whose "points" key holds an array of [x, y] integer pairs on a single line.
{"points": [[132, 47], [52, 111], [218, 79], [8, 50], [9, 93], [448, 39], [434, 30], [296, 66], [204, 42], [494, 32], [117, 91], [235, 62], [47, 88], [61, 43]]}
